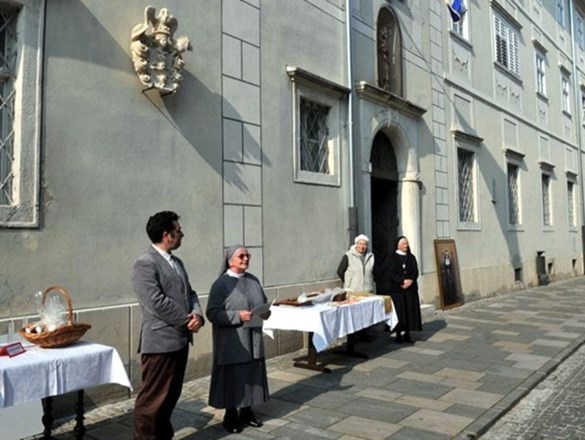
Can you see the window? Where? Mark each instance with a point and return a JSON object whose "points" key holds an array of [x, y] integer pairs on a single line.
{"points": [[571, 204], [507, 46], [566, 94], [318, 111], [20, 80], [540, 74], [582, 106], [315, 154], [579, 34], [461, 27], [513, 195], [467, 209], [389, 41], [8, 54], [561, 12], [546, 200]]}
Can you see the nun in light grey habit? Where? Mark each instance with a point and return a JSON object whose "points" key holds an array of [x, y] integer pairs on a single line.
{"points": [[238, 376]]}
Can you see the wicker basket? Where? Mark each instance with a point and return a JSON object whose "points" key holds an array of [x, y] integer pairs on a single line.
{"points": [[64, 335]]}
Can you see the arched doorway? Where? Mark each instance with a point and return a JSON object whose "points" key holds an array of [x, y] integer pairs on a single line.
{"points": [[384, 206]]}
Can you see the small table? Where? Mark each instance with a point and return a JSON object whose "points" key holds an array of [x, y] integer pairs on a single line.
{"points": [[326, 323], [41, 373]]}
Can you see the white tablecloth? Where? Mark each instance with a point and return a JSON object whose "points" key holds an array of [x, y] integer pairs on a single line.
{"points": [[40, 373], [327, 322]]}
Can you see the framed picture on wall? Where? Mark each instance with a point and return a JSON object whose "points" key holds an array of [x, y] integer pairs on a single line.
{"points": [[448, 273]]}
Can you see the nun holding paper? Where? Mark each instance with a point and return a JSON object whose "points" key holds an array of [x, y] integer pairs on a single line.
{"points": [[238, 376]]}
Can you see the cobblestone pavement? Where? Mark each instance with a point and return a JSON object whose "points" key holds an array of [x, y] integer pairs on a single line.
{"points": [[468, 368], [555, 409]]}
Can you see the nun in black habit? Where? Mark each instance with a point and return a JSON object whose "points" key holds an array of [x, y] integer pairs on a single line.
{"points": [[403, 271], [238, 376]]}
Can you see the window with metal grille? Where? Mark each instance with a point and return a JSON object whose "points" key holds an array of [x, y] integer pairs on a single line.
{"points": [[546, 211], [561, 12], [466, 186], [566, 90], [507, 46], [579, 35], [314, 137], [513, 195], [540, 74], [571, 204], [8, 52]]}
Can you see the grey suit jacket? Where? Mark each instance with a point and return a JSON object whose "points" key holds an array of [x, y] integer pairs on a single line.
{"points": [[166, 298]]}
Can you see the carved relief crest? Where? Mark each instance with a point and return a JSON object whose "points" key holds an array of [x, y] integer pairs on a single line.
{"points": [[156, 54]]}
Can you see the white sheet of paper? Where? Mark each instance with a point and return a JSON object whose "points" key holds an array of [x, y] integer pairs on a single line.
{"points": [[256, 320]]}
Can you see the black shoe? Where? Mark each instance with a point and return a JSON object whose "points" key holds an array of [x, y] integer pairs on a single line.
{"points": [[408, 339], [232, 429], [398, 338], [249, 418], [230, 421]]}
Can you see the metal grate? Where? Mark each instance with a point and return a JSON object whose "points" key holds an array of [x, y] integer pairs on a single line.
{"points": [[466, 193], [314, 137], [513, 195], [546, 214], [7, 75], [571, 203]]}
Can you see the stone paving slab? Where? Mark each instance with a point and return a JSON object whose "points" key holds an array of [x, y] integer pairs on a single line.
{"points": [[467, 368]]}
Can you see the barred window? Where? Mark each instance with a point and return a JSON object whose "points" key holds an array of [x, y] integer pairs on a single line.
{"points": [[571, 204], [8, 52], [21, 43], [546, 211], [466, 186], [540, 74], [507, 46], [314, 136], [513, 195], [561, 12]]}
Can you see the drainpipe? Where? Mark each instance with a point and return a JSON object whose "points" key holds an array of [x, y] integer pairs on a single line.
{"points": [[353, 220], [578, 124]]}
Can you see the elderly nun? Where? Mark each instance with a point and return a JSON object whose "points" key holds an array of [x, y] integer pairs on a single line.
{"points": [[238, 377]]}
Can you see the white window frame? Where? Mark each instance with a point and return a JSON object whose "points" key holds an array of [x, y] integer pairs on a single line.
{"points": [[23, 212], [510, 37], [321, 91], [540, 61], [565, 93]]}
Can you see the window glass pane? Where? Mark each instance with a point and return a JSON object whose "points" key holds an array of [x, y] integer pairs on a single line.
{"points": [[513, 195], [7, 72], [466, 193], [314, 137], [546, 218]]}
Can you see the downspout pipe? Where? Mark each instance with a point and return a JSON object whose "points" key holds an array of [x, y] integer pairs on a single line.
{"points": [[353, 218], [578, 125]]}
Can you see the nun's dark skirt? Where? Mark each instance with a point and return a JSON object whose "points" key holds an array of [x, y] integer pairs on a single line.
{"points": [[239, 385]]}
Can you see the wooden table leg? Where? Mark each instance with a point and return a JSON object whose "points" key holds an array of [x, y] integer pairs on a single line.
{"points": [[47, 418], [311, 363], [79, 429]]}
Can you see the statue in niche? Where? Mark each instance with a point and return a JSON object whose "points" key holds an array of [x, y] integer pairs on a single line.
{"points": [[389, 42], [157, 56]]}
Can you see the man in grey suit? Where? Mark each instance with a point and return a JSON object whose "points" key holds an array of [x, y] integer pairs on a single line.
{"points": [[170, 314]]}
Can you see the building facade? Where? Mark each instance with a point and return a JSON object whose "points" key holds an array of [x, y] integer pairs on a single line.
{"points": [[297, 125]]}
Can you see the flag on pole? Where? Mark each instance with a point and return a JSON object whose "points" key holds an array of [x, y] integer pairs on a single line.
{"points": [[456, 9]]}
